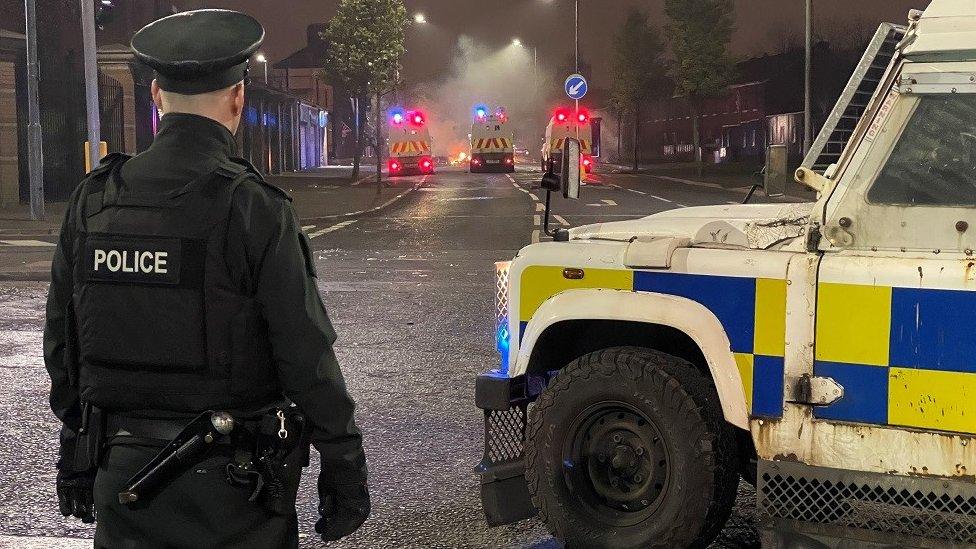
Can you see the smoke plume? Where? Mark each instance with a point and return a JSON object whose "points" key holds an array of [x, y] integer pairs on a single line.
{"points": [[493, 77]]}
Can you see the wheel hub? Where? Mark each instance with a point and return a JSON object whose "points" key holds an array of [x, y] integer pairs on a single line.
{"points": [[619, 462]]}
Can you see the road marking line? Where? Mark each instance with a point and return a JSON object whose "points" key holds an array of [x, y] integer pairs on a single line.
{"points": [[526, 191], [539, 207], [307, 227], [731, 202], [28, 243], [364, 179], [536, 220], [608, 202], [533, 197], [680, 205], [561, 220], [636, 191], [659, 198], [535, 236], [510, 178], [327, 230], [690, 182]]}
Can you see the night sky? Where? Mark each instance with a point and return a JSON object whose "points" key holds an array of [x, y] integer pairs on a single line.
{"points": [[548, 24]]}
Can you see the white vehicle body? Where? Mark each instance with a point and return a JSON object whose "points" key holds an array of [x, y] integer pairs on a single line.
{"points": [[837, 333], [409, 149], [492, 144], [556, 134]]}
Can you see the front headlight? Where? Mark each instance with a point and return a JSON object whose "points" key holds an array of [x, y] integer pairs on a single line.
{"points": [[502, 332]]}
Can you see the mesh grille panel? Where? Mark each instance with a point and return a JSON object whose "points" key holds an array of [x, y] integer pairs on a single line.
{"points": [[504, 434], [933, 508], [501, 292]]}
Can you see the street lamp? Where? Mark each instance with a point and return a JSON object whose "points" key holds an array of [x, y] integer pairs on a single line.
{"points": [[516, 42], [264, 61], [419, 18]]}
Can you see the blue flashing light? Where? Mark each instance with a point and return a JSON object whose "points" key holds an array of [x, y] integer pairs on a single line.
{"points": [[481, 112], [397, 116], [503, 342]]}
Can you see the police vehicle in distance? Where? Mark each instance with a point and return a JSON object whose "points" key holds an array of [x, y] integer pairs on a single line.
{"points": [[564, 124], [492, 142], [409, 144], [822, 351]]}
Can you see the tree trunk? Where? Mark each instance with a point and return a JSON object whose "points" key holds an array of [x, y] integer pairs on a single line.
{"points": [[696, 138], [379, 150], [357, 156], [636, 134]]}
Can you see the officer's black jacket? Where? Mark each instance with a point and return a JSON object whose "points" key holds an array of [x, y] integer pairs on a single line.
{"points": [[265, 254]]}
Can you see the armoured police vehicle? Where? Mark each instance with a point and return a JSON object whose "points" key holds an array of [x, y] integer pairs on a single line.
{"points": [[410, 144], [823, 351], [492, 142], [563, 125]]}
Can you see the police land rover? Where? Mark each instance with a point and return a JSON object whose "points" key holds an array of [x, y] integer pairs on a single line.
{"points": [[824, 352]]}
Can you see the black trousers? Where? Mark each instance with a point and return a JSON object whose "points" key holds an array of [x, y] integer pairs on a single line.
{"points": [[198, 509]]}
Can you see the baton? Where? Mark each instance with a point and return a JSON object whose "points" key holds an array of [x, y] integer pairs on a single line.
{"points": [[189, 445]]}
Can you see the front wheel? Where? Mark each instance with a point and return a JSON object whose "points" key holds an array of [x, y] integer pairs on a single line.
{"points": [[627, 447]]}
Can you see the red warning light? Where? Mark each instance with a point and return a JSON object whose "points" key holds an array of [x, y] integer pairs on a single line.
{"points": [[394, 166], [561, 116], [417, 118], [582, 117]]}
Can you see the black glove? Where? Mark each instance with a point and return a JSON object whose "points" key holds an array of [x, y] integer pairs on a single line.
{"points": [[343, 507], [75, 495]]}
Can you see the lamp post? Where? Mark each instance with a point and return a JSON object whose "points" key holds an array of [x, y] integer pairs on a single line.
{"points": [[576, 28], [90, 62], [35, 155], [807, 118]]}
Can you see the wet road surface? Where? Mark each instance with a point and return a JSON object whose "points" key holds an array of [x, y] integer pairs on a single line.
{"points": [[410, 291]]}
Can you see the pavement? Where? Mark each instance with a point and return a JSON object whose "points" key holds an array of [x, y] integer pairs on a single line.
{"points": [[410, 289]]}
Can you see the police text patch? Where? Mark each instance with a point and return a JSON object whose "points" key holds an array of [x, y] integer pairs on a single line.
{"points": [[140, 260]]}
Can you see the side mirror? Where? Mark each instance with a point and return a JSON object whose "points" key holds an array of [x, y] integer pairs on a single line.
{"points": [[571, 172]]}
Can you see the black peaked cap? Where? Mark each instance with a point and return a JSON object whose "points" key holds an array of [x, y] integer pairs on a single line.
{"points": [[199, 51]]}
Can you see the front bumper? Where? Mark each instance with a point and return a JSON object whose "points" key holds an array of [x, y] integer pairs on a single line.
{"points": [[504, 495]]}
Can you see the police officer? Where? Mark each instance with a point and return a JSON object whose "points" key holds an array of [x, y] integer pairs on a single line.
{"points": [[181, 284]]}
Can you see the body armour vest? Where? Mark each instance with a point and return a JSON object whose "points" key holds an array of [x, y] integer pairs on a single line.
{"points": [[159, 325]]}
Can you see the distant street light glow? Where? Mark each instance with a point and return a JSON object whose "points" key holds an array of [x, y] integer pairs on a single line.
{"points": [[261, 58], [516, 42], [419, 18]]}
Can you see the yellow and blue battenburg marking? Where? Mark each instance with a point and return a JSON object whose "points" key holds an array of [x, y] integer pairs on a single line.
{"points": [[752, 311], [905, 356]]}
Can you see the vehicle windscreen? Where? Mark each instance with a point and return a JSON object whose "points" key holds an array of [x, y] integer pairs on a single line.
{"points": [[934, 161]]}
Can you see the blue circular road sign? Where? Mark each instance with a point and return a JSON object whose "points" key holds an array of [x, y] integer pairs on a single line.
{"points": [[576, 86]]}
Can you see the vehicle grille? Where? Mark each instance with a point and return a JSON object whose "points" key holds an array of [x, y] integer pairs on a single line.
{"points": [[505, 434], [929, 508]]}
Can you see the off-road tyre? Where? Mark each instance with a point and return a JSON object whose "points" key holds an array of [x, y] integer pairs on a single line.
{"points": [[682, 408]]}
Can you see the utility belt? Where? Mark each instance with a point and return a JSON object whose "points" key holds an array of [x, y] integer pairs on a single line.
{"points": [[267, 452]]}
